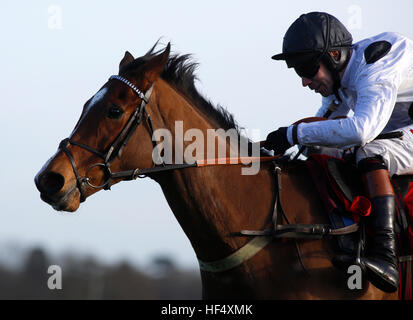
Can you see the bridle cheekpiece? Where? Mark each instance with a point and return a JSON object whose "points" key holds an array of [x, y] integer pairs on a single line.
{"points": [[116, 147]]}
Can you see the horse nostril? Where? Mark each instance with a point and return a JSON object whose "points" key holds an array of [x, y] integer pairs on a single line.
{"points": [[50, 182]]}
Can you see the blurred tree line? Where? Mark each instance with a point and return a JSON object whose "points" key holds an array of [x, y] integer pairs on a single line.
{"points": [[86, 278]]}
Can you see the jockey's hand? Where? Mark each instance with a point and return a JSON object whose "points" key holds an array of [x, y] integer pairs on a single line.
{"points": [[277, 141]]}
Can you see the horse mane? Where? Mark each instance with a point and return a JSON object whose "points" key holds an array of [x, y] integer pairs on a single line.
{"points": [[179, 72]]}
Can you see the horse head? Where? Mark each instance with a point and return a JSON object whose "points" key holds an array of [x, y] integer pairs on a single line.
{"points": [[112, 134]]}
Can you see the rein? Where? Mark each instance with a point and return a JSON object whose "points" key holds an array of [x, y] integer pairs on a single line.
{"points": [[116, 148]]}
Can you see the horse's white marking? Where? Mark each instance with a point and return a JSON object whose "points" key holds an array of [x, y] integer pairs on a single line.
{"points": [[96, 98]]}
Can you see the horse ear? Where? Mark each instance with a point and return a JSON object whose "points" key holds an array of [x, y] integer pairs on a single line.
{"points": [[128, 58], [156, 65]]}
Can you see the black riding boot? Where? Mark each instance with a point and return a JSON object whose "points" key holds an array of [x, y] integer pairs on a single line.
{"points": [[379, 265]]}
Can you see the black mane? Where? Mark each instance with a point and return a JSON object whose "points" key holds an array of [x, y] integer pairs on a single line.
{"points": [[180, 73]]}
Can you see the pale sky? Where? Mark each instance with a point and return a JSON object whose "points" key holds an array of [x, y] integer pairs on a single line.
{"points": [[57, 54]]}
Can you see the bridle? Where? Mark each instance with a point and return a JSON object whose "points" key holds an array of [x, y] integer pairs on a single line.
{"points": [[116, 148]]}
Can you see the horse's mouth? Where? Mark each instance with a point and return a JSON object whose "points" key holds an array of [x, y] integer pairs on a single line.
{"points": [[68, 201]]}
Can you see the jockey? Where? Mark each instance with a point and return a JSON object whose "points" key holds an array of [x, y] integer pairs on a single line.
{"points": [[371, 83]]}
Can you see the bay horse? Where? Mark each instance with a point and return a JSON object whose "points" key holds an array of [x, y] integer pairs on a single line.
{"points": [[212, 204]]}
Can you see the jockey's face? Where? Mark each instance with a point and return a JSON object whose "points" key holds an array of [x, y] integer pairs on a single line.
{"points": [[321, 83]]}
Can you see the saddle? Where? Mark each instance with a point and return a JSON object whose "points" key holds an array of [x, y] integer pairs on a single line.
{"points": [[341, 191]]}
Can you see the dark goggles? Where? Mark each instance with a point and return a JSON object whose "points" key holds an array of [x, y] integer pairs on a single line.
{"points": [[308, 70]]}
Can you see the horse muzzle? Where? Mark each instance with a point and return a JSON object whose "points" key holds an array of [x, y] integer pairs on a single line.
{"points": [[55, 191]]}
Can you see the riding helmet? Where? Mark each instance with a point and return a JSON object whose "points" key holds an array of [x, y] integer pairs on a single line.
{"points": [[310, 38]]}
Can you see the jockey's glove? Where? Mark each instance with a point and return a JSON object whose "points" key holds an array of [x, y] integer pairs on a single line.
{"points": [[278, 141]]}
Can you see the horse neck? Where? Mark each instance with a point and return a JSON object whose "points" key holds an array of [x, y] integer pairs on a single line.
{"points": [[209, 203]]}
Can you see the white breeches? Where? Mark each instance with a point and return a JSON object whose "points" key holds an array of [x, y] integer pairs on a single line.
{"points": [[397, 153]]}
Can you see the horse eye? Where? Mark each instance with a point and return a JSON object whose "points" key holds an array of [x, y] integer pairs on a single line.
{"points": [[115, 112]]}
